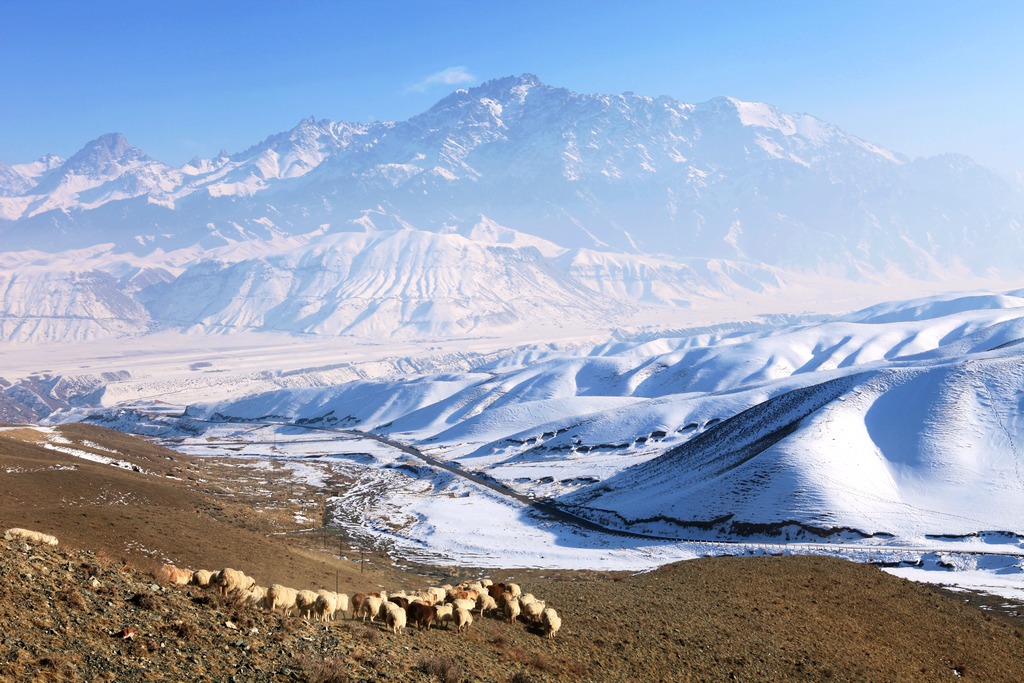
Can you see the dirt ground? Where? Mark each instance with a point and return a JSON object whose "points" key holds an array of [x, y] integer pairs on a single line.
{"points": [[91, 610]]}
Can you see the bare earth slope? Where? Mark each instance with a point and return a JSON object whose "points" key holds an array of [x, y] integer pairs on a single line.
{"points": [[186, 511], [64, 611]]}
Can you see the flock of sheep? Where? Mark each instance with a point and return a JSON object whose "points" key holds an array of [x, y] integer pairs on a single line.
{"points": [[29, 536], [436, 605]]}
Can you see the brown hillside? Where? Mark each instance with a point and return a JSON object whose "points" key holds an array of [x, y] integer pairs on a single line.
{"points": [[63, 610], [192, 512]]}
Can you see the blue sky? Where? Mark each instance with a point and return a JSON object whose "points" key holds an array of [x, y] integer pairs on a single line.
{"points": [[182, 78]]}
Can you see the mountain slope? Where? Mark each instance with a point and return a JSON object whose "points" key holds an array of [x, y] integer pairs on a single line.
{"points": [[719, 179], [381, 279], [897, 452], [43, 306], [410, 282]]}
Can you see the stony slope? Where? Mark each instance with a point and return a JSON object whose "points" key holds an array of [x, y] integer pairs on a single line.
{"points": [[66, 610]]}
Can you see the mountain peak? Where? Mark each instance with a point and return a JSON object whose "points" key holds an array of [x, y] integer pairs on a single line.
{"points": [[114, 143], [506, 82], [102, 155], [497, 88], [49, 161]]}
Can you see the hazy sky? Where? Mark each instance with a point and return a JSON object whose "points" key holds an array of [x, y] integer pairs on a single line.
{"points": [[182, 78]]}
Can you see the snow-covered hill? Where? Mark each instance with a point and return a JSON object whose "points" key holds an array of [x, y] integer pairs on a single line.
{"points": [[899, 421]]}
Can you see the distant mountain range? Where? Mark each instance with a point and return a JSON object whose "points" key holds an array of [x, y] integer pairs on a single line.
{"points": [[505, 201]]}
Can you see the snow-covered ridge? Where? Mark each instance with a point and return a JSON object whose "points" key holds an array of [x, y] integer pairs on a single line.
{"points": [[887, 430], [379, 279]]}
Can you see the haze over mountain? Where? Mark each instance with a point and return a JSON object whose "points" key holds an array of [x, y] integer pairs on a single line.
{"points": [[586, 203]]}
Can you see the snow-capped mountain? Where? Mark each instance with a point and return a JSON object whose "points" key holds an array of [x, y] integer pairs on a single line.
{"points": [[369, 282], [20, 178], [42, 306], [105, 171], [510, 202], [723, 179]]}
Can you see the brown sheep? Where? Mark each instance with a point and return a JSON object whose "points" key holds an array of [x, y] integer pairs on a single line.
{"points": [[421, 616]]}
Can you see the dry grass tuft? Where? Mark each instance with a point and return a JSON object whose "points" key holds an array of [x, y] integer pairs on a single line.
{"points": [[186, 630], [442, 667], [327, 670], [71, 596], [58, 663], [147, 601]]}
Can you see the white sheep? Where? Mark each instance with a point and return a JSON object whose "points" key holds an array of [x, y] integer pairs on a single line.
{"points": [[486, 583], [175, 576], [394, 616], [444, 614], [424, 598], [202, 577], [255, 595], [551, 622], [281, 596], [36, 537], [514, 589], [325, 606], [533, 610], [340, 602], [485, 603], [305, 601], [463, 618], [371, 607], [464, 603], [512, 609], [231, 580], [343, 603]]}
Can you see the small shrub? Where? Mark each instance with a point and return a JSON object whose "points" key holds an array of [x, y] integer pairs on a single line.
{"points": [[185, 630], [72, 597], [328, 670], [443, 667], [204, 600], [541, 663], [59, 663], [146, 601], [521, 677]]}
